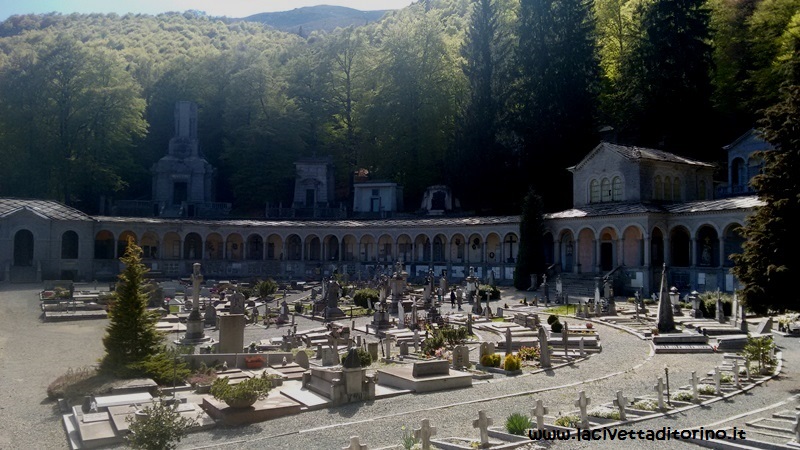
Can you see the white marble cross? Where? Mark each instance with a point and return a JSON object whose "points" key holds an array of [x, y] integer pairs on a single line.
{"points": [[717, 380], [620, 402], [796, 428], [736, 373], [355, 444], [695, 394], [483, 423], [423, 434], [659, 387], [539, 411], [747, 370], [581, 349], [582, 403]]}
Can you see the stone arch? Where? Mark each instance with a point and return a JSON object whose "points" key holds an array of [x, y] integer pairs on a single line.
{"points": [[294, 248], [632, 246], [439, 247], [494, 251], [172, 246], [313, 248], [332, 247], [458, 248], [405, 248], [149, 245], [566, 243], [70, 244], [475, 248], [586, 249], [234, 247], [104, 245], [214, 247], [734, 242], [349, 247], [23, 248], [385, 248], [193, 247], [255, 247], [275, 247], [609, 255], [707, 246], [510, 248], [367, 248], [680, 247], [122, 242], [422, 248]]}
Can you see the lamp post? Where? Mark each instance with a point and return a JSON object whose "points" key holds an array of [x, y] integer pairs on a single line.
{"points": [[674, 297]]}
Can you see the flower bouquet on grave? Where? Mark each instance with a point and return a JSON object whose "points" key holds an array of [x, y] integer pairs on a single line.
{"points": [[254, 362], [241, 395]]}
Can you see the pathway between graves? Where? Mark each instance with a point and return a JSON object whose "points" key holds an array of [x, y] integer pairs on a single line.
{"points": [[626, 363]]}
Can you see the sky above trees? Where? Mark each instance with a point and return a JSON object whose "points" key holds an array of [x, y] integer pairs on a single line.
{"points": [[229, 8]]}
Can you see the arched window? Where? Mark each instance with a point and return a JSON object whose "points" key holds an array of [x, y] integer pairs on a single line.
{"points": [[594, 192], [658, 189], [667, 189], [69, 245], [676, 189], [617, 188], [605, 190], [701, 191]]}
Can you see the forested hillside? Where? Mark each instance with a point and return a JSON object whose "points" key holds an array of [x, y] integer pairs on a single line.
{"points": [[326, 18], [489, 96]]}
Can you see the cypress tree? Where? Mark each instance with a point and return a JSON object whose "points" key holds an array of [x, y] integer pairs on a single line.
{"points": [[131, 336], [531, 243]]}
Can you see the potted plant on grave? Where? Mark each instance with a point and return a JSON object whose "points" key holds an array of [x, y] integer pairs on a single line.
{"points": [[254, 362], [241, 395]]}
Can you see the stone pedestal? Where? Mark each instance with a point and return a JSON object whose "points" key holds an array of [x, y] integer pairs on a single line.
{"points": [[380, 320], [231, 333]]}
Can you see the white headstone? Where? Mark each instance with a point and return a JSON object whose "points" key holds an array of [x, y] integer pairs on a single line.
{"points": [[621, 402], [544, 351], [483, 423], [659, 387], [355, 444], [582, 403], [401, 315], [581, 348], [423, 434], [695, 393], [539, 411], [717, 381], [416, 340], [736, 374]]}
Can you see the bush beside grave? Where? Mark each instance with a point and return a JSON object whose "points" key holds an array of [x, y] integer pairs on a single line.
{"points": [[242, 394], [518, 424], [529, 353], [160, 427], [556, 327], [492, 360], [511, 363], [363, 296], [364, 358]]}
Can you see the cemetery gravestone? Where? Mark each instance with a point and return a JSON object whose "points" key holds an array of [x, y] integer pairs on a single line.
{"points": [[460, 357], [582, 403], [539, 411], [659, 387], [621, 402], [544, 351], [423, 434], [483, 423], [695, 393]]}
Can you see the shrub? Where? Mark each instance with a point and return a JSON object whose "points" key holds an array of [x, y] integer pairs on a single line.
{"points": [[492, 360], [706, 389], [434, 342], [552, 318], [492, 291], [511, 363], [568, 421], [250, 389], [162, 427], [166, 367], [757, 350], [529, 353], [363, 296], [556, 327], [364, 358], [266, 288], [646, 405], [518, 424], [605, 413], [708, 304], [725, 378], [683, 396], [454, 336]]}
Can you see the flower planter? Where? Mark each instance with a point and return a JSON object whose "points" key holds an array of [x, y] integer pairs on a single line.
{"points": [[242, 402]]}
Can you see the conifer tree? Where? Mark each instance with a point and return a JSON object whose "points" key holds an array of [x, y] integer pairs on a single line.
{"points": [[530, 259], [131, 336]]}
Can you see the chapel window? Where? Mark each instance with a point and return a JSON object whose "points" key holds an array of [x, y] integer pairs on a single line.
{"points": [[605, 190], [617, 189], [594, 192], [657, 189], [667, 189]]}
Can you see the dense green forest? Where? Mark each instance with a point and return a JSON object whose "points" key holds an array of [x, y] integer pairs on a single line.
{"points": [[489, 96]]}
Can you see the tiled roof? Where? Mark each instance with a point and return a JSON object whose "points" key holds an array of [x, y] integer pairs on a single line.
{"points": [[45, 208], [611, 209], [381, 223]]}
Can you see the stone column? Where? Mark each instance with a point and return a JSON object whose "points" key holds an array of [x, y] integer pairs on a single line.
{"points": [[284, 249], [667, 251], [596, 264], [621, 251], [396, 250], [721, 252], [693, 243], [322, 249], [576, 256], [557, 252], [485, 253], [647, 252]]}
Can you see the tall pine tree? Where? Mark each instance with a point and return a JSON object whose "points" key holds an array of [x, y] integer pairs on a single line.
{"points": [[556, 92], [131, 336], [531, 242]]}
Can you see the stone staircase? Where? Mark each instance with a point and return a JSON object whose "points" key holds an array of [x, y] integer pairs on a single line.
{"points": [[574, 285]]}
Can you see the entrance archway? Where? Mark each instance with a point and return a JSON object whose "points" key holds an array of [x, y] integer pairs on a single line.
{"points": [[23, 248]]}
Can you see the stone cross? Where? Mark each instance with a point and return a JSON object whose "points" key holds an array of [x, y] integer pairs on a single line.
{"points": [[695, 394], [355, 444], [487, 313], [544, 352], [388, 344], [582, 403], [717, 380], [416, 340], [736, 373], [796, 428], [539, 411], [423, 434], [581, 349], [659, 387], [735, 309], [747, 370], [508, 341], [621, 402], [401, 315], [565, 340], [483, 423]]}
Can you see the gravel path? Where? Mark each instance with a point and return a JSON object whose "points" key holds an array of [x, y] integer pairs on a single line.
{"points": [[29, 421]]}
